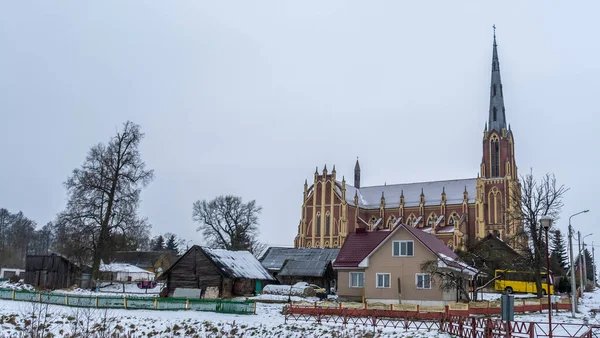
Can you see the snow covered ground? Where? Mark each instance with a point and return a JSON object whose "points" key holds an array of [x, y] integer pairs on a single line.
{"points": [[19, 317], [16, 318]]}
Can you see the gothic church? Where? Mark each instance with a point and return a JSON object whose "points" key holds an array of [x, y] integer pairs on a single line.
{"points": [[454, 210]]}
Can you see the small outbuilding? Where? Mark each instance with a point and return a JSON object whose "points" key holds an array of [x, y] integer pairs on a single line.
{"points": [[311, 265], [50, 271], [152, 261], [216, 273], [124, 273]]}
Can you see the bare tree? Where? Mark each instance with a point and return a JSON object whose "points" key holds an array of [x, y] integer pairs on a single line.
{"points": [[536, 199], [228, 223], [104, 195], [448, 279]]}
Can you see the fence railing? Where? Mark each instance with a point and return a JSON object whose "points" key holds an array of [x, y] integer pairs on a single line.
{"points": [[145, 303], [462, 309], [434, 318]]}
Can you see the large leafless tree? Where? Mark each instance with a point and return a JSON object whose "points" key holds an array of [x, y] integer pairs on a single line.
{"points": [[537, 198], [104, 195], [228, 223]]}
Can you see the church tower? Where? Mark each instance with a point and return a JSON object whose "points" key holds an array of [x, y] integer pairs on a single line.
{"points": [[498, 188]]}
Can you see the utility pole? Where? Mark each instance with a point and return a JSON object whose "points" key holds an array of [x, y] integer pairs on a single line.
{"points": [[573, 287], [584, 264], [594, 264], [579, 262]]}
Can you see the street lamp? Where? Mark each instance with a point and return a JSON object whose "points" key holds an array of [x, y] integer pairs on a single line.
{"points": [[573, 287], [546, 222]]}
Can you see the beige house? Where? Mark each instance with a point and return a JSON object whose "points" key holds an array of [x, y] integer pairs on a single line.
{"points": [[385, 266]]}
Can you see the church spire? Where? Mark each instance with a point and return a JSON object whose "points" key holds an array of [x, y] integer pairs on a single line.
{"points": [[357, 175], [497, 119]]}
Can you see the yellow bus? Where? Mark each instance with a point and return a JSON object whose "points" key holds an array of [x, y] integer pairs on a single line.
{"points": [[521, 281]]}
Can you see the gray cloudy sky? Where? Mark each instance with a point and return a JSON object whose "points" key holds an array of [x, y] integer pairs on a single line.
{"points": [[247, 97]]}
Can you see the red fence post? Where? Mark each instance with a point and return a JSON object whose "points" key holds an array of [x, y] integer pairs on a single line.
{"points": [[508, 329], [531, 330], [473, 327]]}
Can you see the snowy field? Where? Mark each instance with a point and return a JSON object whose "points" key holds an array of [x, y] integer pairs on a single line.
{"points": [[16, 318], [23, 319]]}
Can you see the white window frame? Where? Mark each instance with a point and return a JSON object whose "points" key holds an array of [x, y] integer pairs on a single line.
{"points": [[400, 248], [417, 281], [389, 280], [350, 280]]}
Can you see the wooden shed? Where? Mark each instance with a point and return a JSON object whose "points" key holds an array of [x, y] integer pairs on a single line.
{"points": [[231, 273], [50, 271], [311, 265]]}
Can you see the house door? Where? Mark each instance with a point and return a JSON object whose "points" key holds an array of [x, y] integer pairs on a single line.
{"points": [[258, 287]]}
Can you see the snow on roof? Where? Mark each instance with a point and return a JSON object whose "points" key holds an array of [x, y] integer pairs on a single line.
{"points": [[238, 264], [452, 262], [122, 267], [370, 197]]}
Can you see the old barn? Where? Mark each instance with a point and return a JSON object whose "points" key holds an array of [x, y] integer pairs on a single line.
{"points": [[311, 265], [216, 273], [50, 271]]}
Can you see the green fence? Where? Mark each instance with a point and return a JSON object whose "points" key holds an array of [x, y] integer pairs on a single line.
{"points": [[104, 302]]}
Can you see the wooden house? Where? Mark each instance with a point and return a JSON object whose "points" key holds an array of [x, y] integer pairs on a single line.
{"points": [[50, 271], [311, 265], [217, 273]]}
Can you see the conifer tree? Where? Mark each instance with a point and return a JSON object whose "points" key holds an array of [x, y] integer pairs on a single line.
{"points": [[172, 244], [159, 244], [559, 252]]}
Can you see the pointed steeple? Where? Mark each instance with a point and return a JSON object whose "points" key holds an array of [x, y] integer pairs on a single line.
{"points": [[497, 117], [357, 174]]}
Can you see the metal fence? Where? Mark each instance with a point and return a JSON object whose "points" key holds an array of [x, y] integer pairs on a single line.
{"points": [[434, 318], [147, 303]]}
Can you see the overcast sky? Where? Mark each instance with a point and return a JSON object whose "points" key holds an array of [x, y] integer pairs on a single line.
{"points": [[248, 97]]}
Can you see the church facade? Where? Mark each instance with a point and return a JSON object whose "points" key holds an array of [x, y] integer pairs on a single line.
{"points": [[456, 211]]}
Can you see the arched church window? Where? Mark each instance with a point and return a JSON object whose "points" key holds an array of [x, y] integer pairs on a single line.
{"points": [[451, 221], [430, 221], [494, 90], [391, 221], [327, 224], [494, 113], [318, 224], [501, 91], [495, 157]]}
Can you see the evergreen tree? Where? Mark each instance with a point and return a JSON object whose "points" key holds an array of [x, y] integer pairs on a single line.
{"points": [[158, 243], [172, 244], [589, 265], [558, 256]]}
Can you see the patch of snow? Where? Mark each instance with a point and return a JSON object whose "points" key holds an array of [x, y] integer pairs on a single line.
{"points": [[123, 267], [62, 321], [298, 289], [20, 285]]}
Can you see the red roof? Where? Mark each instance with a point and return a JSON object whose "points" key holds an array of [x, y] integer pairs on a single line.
{"points": [[431, 242], [357, 246]]}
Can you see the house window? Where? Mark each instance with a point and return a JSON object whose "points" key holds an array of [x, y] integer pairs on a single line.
{"points": [[403, 249], [357, 279], [383, 280], [423, 281]]}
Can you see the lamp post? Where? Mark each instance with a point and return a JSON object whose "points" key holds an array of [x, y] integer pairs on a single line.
{"points": [[573, 284], [546, 222]]}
